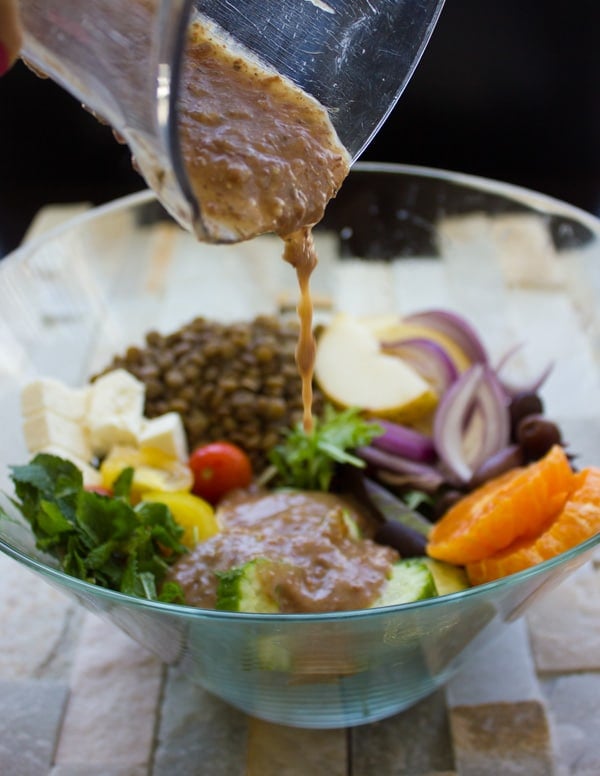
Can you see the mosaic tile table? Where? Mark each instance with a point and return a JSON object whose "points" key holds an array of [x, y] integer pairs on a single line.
{"points": [[79, 698]]}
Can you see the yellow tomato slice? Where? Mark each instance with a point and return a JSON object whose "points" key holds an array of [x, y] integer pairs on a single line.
{"points": [[193, 513], [154, 470]]}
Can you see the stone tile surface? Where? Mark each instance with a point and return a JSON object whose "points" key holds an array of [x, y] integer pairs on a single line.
{"points": [[565, 625], [34, 618], [412, 743], [502, 672], [276, 750], [87, 769], [197, 733], [575, 705], [115, 689], [30, 717], [502, 738]]}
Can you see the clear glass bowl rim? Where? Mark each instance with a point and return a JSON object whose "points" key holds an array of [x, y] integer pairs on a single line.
{"points": [[531, 198]]}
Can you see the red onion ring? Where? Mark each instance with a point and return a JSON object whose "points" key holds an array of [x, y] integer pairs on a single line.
{"points": [[512, 389], [409, 471], [456, 328], [475, 398], [428, 358], [404, 442]]}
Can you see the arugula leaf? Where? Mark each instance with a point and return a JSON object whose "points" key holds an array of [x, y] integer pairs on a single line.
{"points": [[101, 539], [308, 461]]}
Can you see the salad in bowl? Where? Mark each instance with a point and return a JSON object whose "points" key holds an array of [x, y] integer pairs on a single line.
{"points": [[157, 465]]}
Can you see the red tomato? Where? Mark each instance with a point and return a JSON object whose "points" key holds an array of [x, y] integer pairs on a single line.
{"points": [[218, 468]]}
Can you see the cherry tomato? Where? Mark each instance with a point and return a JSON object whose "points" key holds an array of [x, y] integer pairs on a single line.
{"points": [[218, 468]]}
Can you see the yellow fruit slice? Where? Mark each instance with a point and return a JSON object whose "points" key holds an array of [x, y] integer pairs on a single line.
{"points": [[154, 470], [192, 513], [352, 371]]}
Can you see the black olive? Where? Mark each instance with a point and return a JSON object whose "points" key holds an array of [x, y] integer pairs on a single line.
{"points": [[536, 435], [522, 405], [444, 502]]}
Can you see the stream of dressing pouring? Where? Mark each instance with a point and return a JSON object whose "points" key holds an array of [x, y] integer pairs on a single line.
{"points": [[257, 110]]}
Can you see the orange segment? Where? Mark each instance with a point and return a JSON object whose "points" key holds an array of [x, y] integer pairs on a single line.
{"points": [[517, 504], [578, 521]]}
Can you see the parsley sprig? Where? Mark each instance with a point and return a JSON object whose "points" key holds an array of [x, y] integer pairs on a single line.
{"points": [[308, 461], [101, 539]]}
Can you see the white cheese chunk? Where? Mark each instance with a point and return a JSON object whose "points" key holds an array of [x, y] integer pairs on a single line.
{"points": [[45, 429], [115, 411], [50, 394], [91, 476], [166, 433]]}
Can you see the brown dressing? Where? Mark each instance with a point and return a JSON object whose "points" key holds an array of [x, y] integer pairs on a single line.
{"points": [[300, 253], [262, 156], [319, 566]]}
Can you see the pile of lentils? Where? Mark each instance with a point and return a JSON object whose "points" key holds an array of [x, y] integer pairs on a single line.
{"points": [[236, 382]]}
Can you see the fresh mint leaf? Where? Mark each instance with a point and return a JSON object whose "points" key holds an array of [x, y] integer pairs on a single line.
{"points": [[308, 461], [51, 520], [100, 539], [122, 485]]}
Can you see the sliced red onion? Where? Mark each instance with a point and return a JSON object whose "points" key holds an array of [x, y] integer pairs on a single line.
{"points": [[428, 358], [472, 422], [508, 458], [512, 389], [451, 419], [405, 442], [406, 541], [412, 470], [456, 328], [491, 402], [393, 509], [428, 482]]}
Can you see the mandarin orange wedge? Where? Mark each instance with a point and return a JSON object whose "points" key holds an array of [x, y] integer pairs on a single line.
{"points": [[579, 520], [518, 504]]}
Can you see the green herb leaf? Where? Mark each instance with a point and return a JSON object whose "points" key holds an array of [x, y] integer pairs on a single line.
{"points": [[171, 593], [100, 539], [308, 461], [122, 485]]}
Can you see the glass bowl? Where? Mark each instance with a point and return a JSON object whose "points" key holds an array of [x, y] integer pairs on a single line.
{"points": [[522, 267]]}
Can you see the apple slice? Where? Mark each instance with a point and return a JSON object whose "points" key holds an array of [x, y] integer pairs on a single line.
{"points": [[352, 371], [391, 328]]}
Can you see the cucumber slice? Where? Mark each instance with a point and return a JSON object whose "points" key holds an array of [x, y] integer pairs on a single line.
{"points": [[448, 578], [411, 580], [244, 588]]}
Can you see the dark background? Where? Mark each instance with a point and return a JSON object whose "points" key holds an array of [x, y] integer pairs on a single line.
{"points": [[506, 88]]}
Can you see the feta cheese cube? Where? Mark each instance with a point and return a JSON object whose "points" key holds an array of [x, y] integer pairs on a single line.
{"points": [[115, 411], [166, 433], [52, 395]]}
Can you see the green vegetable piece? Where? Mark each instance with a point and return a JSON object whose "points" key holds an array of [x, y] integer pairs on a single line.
{"points": [[448, 578], [99, 539], [411, 580], [308, 461], [246, 589], [122, 485]]}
